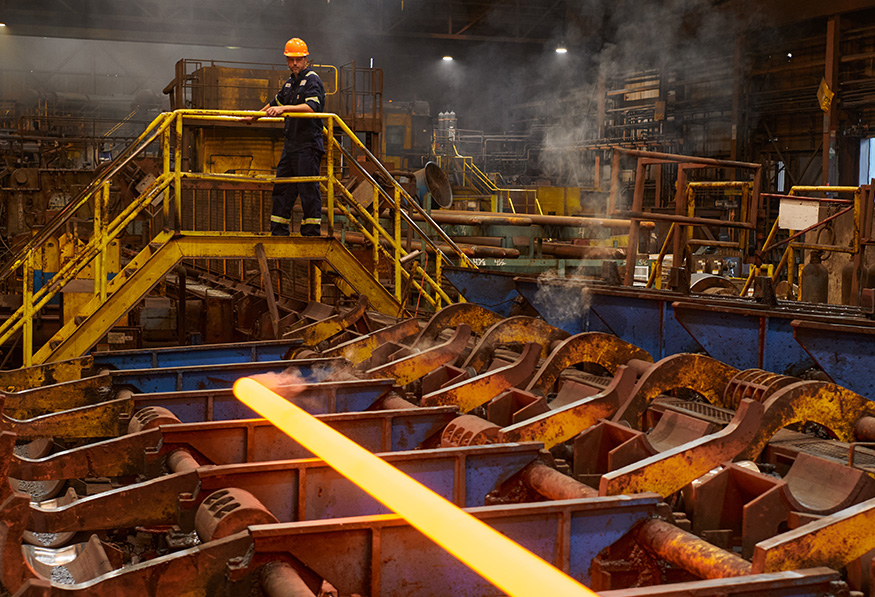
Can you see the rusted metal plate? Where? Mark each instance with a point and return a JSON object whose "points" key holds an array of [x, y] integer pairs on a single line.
{"points": [[589, 347], [832, 541], [557, 426], [303, 489], [229, 442], [669, 471], [515, 330], [385, 556], [812, 581], [27, 378], [31, 403], [696, 372], [360, 349], [416, 366], [86, 422], [827, 404], [475, 316], [313, 334], [471, 393]]}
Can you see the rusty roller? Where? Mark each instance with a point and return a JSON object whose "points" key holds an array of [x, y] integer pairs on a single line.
{"points": [[151, 417], [754, 384], [228, 511]]}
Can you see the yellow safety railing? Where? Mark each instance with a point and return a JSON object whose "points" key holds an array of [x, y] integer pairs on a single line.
{"points": [[789, 255], [480, 181], [746, 189], [168, 128]]}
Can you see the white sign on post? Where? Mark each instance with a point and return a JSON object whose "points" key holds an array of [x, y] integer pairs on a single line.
{"points": [[798, 214]]}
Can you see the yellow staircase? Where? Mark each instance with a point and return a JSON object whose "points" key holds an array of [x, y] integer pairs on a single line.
{"points": [[114, 298]]}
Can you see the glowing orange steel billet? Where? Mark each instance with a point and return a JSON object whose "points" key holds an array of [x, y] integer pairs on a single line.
{"points": [[502, 562]]}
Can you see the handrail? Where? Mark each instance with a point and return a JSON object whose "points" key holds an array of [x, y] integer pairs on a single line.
{"points": [[490, 186], [170, 125], [158, 126]]}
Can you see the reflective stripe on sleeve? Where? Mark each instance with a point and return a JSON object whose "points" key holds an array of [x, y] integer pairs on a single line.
{"points": [[313, 99]]}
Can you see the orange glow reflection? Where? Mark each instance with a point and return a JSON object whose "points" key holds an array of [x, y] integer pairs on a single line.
{"points": [[502, 562]]}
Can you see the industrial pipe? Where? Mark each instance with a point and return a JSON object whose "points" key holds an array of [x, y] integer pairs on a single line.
{"points": [[687, 551]]}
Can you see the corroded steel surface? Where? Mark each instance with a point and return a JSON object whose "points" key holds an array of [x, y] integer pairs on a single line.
{"points": [[475, 316], [754, 384], [696, 372], [360, 349], [827, 404], [689, 552], [471, 393], [26, 404], [320, 331], [669, 471], [37, 376], [564, 423], [589, 347], [832, 541], [515, 330], [408, 369]]}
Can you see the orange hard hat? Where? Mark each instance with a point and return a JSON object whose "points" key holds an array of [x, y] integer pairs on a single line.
{"points": [[296, 47]]}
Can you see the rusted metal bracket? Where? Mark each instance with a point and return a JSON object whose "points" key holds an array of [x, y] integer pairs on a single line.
{"points": [[228, 442], [27, 378], [471, 393], [755, 505], [836, 408], [475, 316], [320, 331], [696, 372], [832, 541], [671, 470], [515, 330], [360, 349], [408, 369], [589, 347], [557, 426]]}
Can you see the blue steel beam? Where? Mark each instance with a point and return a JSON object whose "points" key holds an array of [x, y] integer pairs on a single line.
{"points": [[843, 351], [750, 337], [293, 490], [221, 405], [204, 377], [495, 291], [185, 356], [230, 442], [644, 318], [385, 556]]}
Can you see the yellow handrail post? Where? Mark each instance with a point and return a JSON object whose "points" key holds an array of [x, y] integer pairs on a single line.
{"points": [[315, 282], [331, 180], [165, 165], [375, 204], [397, 214], [101, 200], [177, 176], [27, 300], [438, 265]]}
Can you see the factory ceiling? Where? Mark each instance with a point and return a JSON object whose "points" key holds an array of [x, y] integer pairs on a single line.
{"points": [[250, 23]]}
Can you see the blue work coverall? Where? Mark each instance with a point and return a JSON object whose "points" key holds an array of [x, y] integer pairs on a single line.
{"points": [[302, 156]]}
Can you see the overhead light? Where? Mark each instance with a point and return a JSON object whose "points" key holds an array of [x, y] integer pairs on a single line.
{"points": [[2, 24], [561, 49], [447, 58]]}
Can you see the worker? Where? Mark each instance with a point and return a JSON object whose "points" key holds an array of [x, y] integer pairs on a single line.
{"points": [[303, 147]]}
